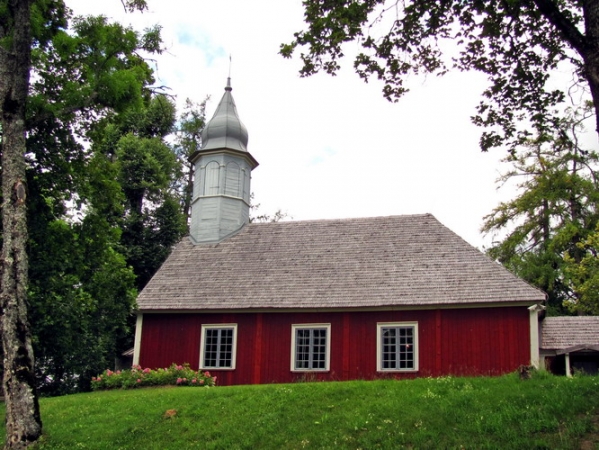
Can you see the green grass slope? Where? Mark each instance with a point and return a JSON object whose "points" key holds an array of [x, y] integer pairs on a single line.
{"points": [[477, 413]]}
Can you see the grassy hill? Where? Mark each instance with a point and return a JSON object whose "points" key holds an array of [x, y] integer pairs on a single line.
{"points": [[478, 413]]}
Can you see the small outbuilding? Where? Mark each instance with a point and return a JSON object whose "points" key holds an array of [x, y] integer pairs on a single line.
{"points": [[570, 344]]}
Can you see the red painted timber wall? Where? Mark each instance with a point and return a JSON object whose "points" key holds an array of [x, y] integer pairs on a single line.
{"points": [[482, 341]]}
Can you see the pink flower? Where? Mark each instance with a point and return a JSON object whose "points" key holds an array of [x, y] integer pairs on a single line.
{"points": [[109, 372], [147, 370], [201, 381], [118, 372], [94, 378], [214, 379], [139, 380], [179, 367], [99, 378], [207, 373], [194, 381], [179, 380]]}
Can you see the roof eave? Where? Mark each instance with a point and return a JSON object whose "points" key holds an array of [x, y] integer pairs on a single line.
{"points": [[337, 309], [247, 155]]}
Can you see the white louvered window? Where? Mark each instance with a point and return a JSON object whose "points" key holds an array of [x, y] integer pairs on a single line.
{"points": [[397, 347], [211, 186], [218, 346], [310, 347], [232, 180]]}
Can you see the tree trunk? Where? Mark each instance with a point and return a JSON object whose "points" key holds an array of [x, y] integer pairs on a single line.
{"points": [[591, 52], [23, 423], [587, 45]]}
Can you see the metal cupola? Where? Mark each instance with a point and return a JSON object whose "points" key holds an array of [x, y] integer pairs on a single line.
{"points": [[221, 193]]}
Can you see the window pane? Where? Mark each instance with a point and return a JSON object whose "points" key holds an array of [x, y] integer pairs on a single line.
{"points": [[218, 347], [397, 347], [310, 348]]}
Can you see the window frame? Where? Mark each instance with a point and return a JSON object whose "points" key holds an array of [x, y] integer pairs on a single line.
{"points": [[220, 326], [380, 326], [310, 326]]}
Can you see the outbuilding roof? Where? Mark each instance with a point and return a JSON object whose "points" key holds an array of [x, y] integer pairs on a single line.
{"points": [[570, 332], [396, 261]]}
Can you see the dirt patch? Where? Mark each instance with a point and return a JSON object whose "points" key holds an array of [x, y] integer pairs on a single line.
{"points": [[590, 441]]}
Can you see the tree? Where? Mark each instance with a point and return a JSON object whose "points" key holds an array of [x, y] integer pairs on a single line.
{"points": [[23, 421], [189, 140], [584, 275], [84, 79], [555, 211], [516, 44], [147, 170], [17, 39], [255, 217]]}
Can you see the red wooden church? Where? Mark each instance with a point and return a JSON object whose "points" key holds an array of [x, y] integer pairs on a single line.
{"points": [[399, 296]]}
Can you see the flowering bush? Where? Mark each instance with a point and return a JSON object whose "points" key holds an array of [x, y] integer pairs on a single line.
{"points": [[175, 375]]}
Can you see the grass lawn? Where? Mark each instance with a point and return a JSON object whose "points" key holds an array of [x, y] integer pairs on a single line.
{"points": [[473, 413]]}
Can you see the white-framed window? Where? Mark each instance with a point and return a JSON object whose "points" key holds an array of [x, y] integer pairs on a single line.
{"points": [[218, 347], [397, 346], [310, 347]]}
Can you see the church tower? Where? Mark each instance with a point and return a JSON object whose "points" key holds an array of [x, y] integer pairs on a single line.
{"points": [[220, 204]]}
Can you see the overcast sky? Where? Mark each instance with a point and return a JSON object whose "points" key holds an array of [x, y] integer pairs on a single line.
{"points": [[328, 147]]}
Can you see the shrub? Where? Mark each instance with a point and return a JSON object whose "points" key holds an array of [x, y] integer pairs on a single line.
{"points": [[175, 375]]}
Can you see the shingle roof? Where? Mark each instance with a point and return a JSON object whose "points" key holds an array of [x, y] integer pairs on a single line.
{"points": [[397, 261], [565, 332]]}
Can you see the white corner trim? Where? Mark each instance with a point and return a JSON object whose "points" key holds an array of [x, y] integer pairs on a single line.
{"points": [[533, 314], [137, 342]]}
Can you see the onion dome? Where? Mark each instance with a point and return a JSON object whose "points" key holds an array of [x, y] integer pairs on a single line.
{"points": [[225, 130]]}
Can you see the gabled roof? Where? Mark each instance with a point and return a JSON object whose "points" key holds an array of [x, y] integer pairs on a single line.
{"points": [[397, 261], [574, 333]]}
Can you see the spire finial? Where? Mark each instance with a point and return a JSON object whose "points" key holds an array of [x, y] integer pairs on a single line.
{"points": [[229, 88]]}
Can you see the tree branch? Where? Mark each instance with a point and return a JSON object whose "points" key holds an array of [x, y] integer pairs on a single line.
{"points": [[571, 34]]}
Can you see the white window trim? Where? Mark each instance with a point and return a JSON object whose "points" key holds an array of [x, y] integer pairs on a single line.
{"points": [[379, 349], [302, 326], [233, 350]]}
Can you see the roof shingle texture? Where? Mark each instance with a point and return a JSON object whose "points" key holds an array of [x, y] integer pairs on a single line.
{"points": [[565, 332], [397, 261]]}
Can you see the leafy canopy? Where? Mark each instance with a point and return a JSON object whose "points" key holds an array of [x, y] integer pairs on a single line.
{"points": [[515, 43], [546, 228]]}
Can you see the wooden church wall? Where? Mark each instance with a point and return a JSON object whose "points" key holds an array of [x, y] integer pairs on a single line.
{"points": [[479, 341]]}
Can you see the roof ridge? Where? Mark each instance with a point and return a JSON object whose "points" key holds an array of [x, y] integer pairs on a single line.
{"points": [[348, 219]]}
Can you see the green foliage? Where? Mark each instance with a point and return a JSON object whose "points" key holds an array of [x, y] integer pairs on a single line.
{"points": [[189, 141], [145, 167], [175, 375], [475, 413], [583, 274], [81, 295], [557, 208], [191, 125], [515, 44], [86, 73], [148, 171]]}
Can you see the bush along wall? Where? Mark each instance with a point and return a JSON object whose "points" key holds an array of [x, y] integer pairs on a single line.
{"points": [[175, 375]]}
